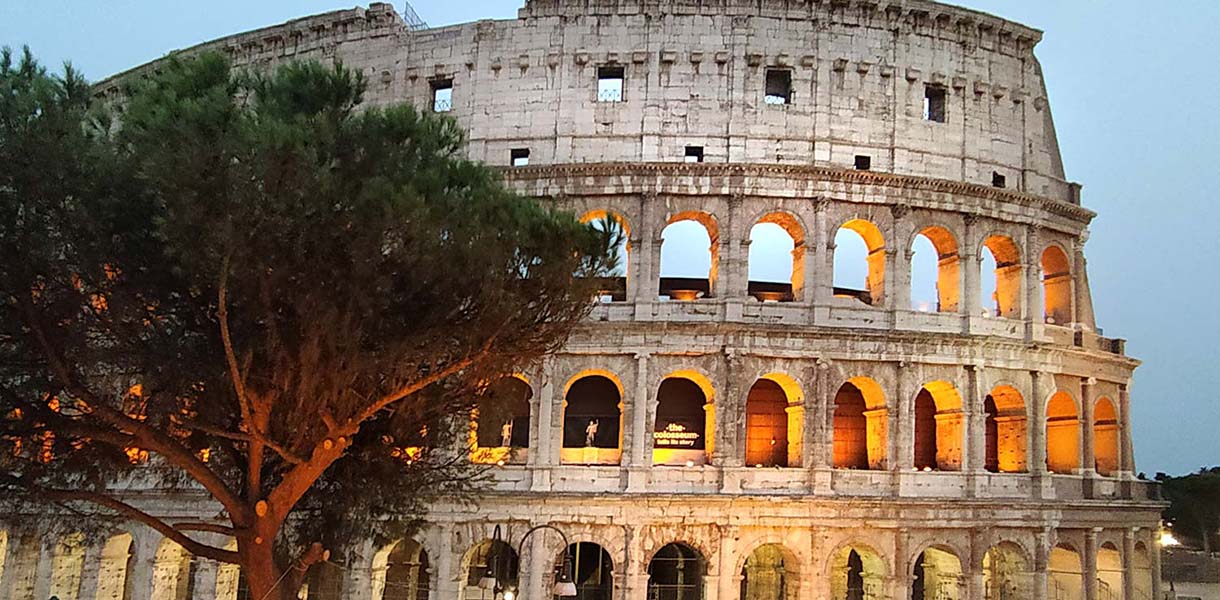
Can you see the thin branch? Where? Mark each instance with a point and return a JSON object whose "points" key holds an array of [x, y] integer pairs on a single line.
{"points": [[207, 527], [243, 437], [222, 314], [416, 386]]}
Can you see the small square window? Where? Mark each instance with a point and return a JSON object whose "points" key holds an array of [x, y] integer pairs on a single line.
{"points": [[442, 95], [610, 83], [934, 103], [694, 154], [998, 180], [779, 87], [520, 157], [864, 162]]}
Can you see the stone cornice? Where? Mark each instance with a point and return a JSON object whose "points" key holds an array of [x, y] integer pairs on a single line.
{"points": [[801, 172]]}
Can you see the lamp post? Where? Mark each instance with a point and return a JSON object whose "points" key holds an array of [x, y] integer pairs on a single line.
{"points": [[565, 585]]}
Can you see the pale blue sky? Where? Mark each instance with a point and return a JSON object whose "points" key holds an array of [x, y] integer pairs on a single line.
{"points": [[1135, 89]]}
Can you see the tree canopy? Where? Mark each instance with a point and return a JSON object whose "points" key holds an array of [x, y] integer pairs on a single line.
{"points": [[254, 286], [1194, 506]]}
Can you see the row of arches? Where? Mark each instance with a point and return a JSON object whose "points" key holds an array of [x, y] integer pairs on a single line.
{"points": [[690, 258], [683, 430]]}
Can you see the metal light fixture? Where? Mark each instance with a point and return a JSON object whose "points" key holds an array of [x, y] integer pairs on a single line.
{"points": [[564, 586]]}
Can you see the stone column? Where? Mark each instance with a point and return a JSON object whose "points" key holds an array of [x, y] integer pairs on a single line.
{"points": [[636, 572], [1154, 551], [1036, 432], [730, 417], [447, 579], [1089, 562], [1126, 455], [901, 586], [205, 578], [358, 576], [968, 270], [646, 255], [43, 572], [727, 583], [544, 445], [896, 292], [640, 458], [144, 544], [1129, 563], [1088, 393], [1042, 563], [1033, 309], [901, 432], [534, 584], [90, 569], [819, 272], [819, 416], [975, 419], [972, 569]]}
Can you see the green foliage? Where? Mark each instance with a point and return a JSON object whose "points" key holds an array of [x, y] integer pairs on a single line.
{"points": [[1194, 506], [371, 280]]}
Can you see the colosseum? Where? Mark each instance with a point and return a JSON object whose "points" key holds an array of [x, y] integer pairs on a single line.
{"points": [[712, 434]]}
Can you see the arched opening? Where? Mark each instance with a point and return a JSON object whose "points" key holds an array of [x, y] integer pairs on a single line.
{"points": [[861, 421], [1066, 581], [777, 259], [935, 267], [401, 572], [324, 581], [859, 258], [683, 428], [1005, 573], [112, 580], [67, 564], [1109, 573], [1056, 286], [1001, 278], [774, 421], [488, 561], [689, 256], [592, 421], [1062, 434], [501, 422], [770, 573], [613, 286], [593, 571], [1142, 572], [173, 572], [938, 428], [676, 573], [857, 573], [1005, 430], [1105, 437], [936, 575]]}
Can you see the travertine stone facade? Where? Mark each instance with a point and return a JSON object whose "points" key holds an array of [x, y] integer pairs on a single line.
{"points": [[794, 440]]}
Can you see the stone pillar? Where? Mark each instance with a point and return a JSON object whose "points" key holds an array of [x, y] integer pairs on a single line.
{"points": [[730, 417], [968, 270], [901, 432], [1036, 431], [640, 458], [819, 416], [636, 572], [1042, 564], [972, 568], [819, 272], [90, 569], [901, 586], [536, 556], [1089, 562], [1126, 455], [358, 577], [975, 459], [646, 256], [727, 583], [1154, 552], [447, 579], [544, 445], [1088, 394], [1129, 563], [1032, 306], [205, 578], [896, 285], [144, 545]]}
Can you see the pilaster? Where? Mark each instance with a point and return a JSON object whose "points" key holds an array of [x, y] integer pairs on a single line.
{"points": [[1089, 562], [641, 405], [1088, 393]]}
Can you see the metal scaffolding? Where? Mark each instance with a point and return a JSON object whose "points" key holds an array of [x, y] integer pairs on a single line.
{"points": [[414, 23]]}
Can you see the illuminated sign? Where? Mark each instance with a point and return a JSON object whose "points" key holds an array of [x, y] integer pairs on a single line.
{"points": [[677, 435]]}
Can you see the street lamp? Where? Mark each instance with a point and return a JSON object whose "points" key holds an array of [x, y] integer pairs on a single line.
{"points": [[565, 585]]}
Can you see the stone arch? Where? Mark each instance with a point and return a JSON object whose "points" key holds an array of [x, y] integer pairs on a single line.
{"points": [[500, 422], [946, 289], [614, 288], [401, 571], [860, 427], [770, 572], [874, 258], [1056, 285], [1006, 573], [1110, 572], [939, 427], [486, 561], [592, 418], [1006, 430], [118, 556], [592, 570], [777, 228], [67, 566], [1106, 435], [1062, 434], [1141, 572], [676, 571], [775, 416], [686, 286], [1007, 278], [857, 572], [936, 574], [173, 572], [1066, 580], [684, 430]]}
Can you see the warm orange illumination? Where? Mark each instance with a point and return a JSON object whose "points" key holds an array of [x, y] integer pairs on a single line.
{"points": [[1105, 437], [1006, 431], [1057, 286], [1062, 434], [875, 242], [766, 424], [939, 427], [861, 422], [948, 266], [1008, 278]]}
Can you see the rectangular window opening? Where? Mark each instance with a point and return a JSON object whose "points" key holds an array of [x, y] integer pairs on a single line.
{"points": [[442, 95], [779, 87], [998, 180], [694, 154], [934, 103], [520, 157], [864, 162], [610, 80]]}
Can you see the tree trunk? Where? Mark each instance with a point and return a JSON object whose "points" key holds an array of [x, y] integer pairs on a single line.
{"points": [[261, 573]]}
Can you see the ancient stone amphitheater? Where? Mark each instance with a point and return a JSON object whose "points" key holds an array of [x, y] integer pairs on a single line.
{"points": [[711, 436]]}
